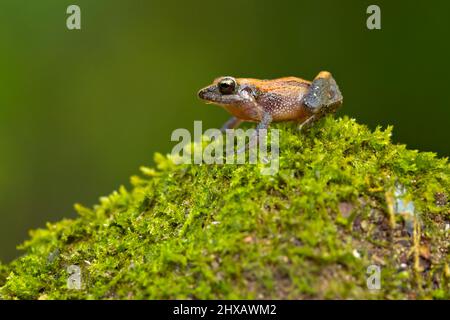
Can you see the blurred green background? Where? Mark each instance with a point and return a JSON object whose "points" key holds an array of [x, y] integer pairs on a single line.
{"points": [[80, 111]]}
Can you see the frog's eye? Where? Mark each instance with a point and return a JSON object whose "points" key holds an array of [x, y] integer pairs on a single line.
{"points": [[227, 85]]}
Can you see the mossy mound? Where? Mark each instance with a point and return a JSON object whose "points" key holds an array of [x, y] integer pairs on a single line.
{"points": [[226, 231]]}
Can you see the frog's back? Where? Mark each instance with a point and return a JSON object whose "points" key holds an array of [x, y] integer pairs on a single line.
{"points": [[282, 97], [275, 84]]}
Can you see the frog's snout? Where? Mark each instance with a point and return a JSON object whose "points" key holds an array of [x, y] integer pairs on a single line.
{"points": [[206, 94], [201, 93]]}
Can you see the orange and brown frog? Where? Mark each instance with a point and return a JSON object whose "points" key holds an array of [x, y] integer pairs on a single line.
{"points": [[266, 101]]}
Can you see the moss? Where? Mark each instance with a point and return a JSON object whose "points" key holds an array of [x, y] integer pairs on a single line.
{"points": [[3, 274], [226, 231]]}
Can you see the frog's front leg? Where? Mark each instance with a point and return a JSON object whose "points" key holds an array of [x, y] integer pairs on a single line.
{"points": [[264, 124], [232, 123], [322, 98]]}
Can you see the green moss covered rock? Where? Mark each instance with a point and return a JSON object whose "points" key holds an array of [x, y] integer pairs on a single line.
{"points": [[345, 198]]}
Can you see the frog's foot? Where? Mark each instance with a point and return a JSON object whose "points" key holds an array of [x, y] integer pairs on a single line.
{"points": [[323, 96], [253, 141], [305, 125]]}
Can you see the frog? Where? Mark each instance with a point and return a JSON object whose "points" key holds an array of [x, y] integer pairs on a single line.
{"points": [[276, 100]]}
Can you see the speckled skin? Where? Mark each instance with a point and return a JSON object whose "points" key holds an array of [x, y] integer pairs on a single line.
{"points": [[283, 99]]}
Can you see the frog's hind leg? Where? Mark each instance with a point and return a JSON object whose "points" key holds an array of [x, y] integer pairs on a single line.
{"points": [[232, 123], [323, 97]]}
